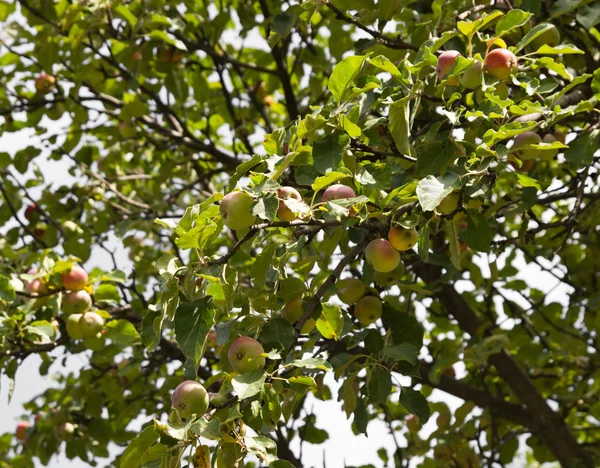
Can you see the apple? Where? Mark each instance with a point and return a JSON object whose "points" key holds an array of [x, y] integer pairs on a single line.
{"points": [[403, 239], [73, 327], [91, 324], [526, 138], [550, 37], [445, 64], [76, 302], [501, 63], [94, 343], [293, 311], [233, 431], [44, 83], [56, 111], [472, 77], [412, 422], [190, 398], [236, 209], [560, 136], [350, 290], [69, 228], [382, 256], [137, 56], [36, 287], [74, 279], [65, 430], [448, 204], [443, 420], [32, 214], [127, 129], [169, 54], [548, 154], [337, 192], [245, 355], [283, 212], [217, 399], [269, 100], [368, 310], [22, 432]]}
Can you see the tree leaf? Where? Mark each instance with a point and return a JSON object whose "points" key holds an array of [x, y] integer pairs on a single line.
{"points": [[328, 152], [278, 330], [431, 192], [193, 321], [312, 363], [249, 384], [331, 322], [132, 457], [379, 385], [343, 74], [478, 234], [415, 403], [403, 352]]}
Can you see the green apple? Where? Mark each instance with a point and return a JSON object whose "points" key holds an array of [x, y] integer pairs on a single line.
{"points": [[403, 239], [368, 310], [236, 209], [190, 398], [350, 290], [245, 355]]}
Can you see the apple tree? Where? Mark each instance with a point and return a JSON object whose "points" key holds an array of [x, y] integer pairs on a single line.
{"points": [[228, 209]]}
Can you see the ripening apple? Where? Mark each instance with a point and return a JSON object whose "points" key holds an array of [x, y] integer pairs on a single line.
{"points": [[76, 302], [412, 422], [283, 212], [472, 77], [445, 64], [32, 214], [526, 138], [245, 355], [190, 398], [337, 192], [73, 327], [91, 323], [94, 343], [36, 287], [127, 129], [403, 239], [65, 430], [74, 279], [44, 83], [382, 256], [368, 310], [550, 37], [548, 154], [350, 290], [448, 204], [236, 209], [22, 432], [137, 56], [293, 311], [501, 63]]}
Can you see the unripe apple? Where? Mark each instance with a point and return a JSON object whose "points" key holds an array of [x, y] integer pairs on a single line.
{"points": [[44, 83], [73, 327], [127, 129], [76, 302], [472, 77], [560, 136], [22, 432], [382, 256], [65, 430], [337, 192], [501, 63], [548, 154], [403, 239], [526, 138], [550, 37], [31, 213], [368, 310], [283, 212], [445, 63], [293, 311], [245, 355], [448, 204], [350, 290], [233, 431], [236, 209], [190, 398], [94, 343], [56, 111], [412, 422], [91, 324], [74, 279], [217, 399], [443, 420]]}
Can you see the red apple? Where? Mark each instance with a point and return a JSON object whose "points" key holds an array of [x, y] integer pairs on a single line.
{"points": [[190, 398], [44, 83], [74, 279], [31, 213], [22, 432], [501, 63], [445, 64], [337, 192], [76, 302], [283, 212], [245, 355], [382, 256]]}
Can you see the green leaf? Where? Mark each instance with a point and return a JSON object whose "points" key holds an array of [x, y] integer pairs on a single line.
{"points": [[531, 35], [278, 330], [281, 464], [261, 266], [436, 158], [7, 292], [126, 14], [527, 181], [138, 447], [556, 67], [478, 234], [513, 19], [331, 177], [151, 327], [291, 288], [361, 417], [385, 64], [415, 403], [312, 363], [379, 385], [242, 169], [452, 232], [331, 322], [581, 150], [589, 15], [558, 50], [193, 321], [405, 328], [266, 207], [431, 192], [469, 28], [249, 384], [403, 352], [107, 293], [399, 115], [263, 448], [122, 332], [328, 152], [344, 74]]}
